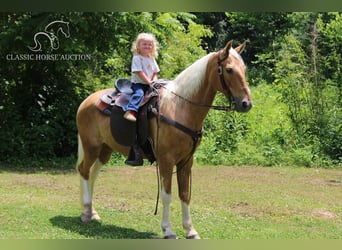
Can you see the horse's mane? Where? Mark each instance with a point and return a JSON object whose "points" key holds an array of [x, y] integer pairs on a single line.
{"points": [[190, 79], [188, 82]]}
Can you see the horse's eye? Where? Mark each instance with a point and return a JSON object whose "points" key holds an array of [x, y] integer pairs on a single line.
{"points": [[229, 70]]}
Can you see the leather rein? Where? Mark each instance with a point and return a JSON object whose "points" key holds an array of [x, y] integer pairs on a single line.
{"points": [[224, 86], [196, 135]]}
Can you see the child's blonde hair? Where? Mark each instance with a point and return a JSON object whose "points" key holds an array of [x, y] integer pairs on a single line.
{"points": [[149, 37]]}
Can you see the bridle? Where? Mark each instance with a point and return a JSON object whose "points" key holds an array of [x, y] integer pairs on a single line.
{"points": [[223, 82], [224, 86]]}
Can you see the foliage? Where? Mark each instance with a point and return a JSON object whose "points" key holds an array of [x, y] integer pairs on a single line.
{"points": [[39, 98], [182, 49], [313, 96], [223, 132], [293, 66], [263, 137], [308, 108]]}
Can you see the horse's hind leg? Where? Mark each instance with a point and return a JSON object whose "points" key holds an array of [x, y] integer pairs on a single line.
{"points": [[183, 179], [88, 166], [87, 187]]}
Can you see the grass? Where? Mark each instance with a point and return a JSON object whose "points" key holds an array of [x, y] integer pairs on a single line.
{"points": [[227, 203]]}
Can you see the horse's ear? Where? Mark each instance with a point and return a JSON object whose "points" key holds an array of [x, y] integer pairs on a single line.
{"points": [[225, 51], [241, 47]]}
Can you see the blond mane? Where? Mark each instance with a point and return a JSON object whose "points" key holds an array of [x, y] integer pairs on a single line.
{"points": [[188, 82]]}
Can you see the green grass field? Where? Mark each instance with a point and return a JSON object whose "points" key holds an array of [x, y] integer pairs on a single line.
{"points": [[227, 203]]}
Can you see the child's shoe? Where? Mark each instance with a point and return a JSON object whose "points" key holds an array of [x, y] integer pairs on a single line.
{"points": [[130, 115]]}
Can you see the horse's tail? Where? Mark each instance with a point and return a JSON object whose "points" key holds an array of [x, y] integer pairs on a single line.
{"points": [[80, 153]]}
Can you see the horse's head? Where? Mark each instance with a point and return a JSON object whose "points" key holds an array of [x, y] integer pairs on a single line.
{"points": [[231, 70]]}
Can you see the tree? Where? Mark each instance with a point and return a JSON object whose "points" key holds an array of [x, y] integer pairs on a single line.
{"points": [[40, 97], [310, 83]]}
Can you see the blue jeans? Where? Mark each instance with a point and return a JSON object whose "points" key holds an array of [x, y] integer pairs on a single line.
{"points": [[136, 98]]}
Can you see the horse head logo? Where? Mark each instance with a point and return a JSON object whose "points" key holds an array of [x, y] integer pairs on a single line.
{"points": [[51, 31]]}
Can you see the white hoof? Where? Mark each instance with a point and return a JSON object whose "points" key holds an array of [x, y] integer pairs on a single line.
{"points": [[87, 217]]}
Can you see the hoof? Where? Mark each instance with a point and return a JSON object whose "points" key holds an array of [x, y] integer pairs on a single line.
{"points": [[170, 237], [87, 218], [95, 216], [193, 237]]}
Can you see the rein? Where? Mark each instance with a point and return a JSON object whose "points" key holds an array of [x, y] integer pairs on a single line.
{"points": [[224, 86], [215, 107]]}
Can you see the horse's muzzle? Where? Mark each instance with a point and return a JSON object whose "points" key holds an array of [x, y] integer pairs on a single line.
{"points": [[242, 105]]}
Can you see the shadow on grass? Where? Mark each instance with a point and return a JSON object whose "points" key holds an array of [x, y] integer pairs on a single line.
{"points": [[97, 230]]}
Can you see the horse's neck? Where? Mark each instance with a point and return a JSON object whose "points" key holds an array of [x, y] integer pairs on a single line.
{"points": [[192, 93]]}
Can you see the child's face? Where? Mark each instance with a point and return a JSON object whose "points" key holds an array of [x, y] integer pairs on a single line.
{"points": [[145, 47]]}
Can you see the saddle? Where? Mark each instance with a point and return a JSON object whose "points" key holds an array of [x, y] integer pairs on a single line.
{"points": [[124, 131], [119, 96]]}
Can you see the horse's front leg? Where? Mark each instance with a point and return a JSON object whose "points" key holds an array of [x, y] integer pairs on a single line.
{"points": [[190, 231], [166, 225], [166, 181], [183, 178]]}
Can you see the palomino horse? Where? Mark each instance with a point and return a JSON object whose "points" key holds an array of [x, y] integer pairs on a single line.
{"points": [[185, 100]]}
